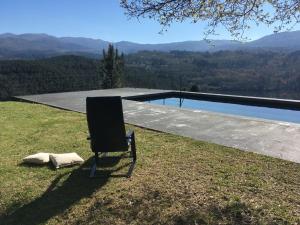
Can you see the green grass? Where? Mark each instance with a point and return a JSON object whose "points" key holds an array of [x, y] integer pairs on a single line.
{"points": [[177, 180]]}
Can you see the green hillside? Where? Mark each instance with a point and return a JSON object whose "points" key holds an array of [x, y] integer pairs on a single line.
{"points": [[266, 74]]}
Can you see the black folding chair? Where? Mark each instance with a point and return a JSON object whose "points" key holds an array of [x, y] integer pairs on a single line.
{"points": [[107, 129]]}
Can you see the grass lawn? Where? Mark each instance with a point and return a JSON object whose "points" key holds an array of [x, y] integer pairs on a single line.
{"points": [[177, 180]]}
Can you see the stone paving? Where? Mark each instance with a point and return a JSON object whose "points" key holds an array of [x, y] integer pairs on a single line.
{"points": [[273, 138]]}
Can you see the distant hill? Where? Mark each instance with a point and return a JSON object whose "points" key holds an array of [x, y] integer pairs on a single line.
{"points": [[28, 46], [43, 45], [194, 46], [284, 41]]}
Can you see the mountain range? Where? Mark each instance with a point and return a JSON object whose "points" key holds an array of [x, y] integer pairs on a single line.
{"points": [[28, 46]]}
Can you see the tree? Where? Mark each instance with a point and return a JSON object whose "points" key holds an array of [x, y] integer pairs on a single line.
{"points": [[235, 15], [194, 88], [112, 68]]}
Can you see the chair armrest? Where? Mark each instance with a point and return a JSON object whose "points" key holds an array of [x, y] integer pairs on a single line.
{"points": [[129, 134]]}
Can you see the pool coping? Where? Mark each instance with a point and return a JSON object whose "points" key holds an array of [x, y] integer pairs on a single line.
{"points": [[236, 99]]}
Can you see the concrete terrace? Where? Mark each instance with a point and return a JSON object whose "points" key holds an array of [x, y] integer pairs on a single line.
{"points": [[273, 138]]}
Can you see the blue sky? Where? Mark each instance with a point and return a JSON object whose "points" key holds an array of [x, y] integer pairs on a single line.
{"points": [[102, 19]]}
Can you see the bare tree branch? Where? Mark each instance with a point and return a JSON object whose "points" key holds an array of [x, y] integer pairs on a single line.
{"points": [[235, 15]]}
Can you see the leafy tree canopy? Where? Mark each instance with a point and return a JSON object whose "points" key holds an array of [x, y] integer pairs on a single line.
{"points": [[235, 15]]}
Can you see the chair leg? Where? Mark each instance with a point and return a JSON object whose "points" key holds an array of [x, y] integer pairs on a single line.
{"points": [[133, 147], [130, 169], [133, 155], [93, 170], [94, 166]]}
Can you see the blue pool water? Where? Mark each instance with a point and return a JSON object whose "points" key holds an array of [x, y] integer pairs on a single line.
{"points": [[236, 109]]}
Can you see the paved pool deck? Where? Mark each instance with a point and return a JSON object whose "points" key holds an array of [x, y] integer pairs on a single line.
{"points": [[273, 138]]}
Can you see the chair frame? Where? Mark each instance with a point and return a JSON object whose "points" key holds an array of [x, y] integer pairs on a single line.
{"points": [[130, 138]]}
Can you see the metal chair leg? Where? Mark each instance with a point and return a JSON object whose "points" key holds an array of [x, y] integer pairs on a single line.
{"points": [[132, 154], [93, 169], [94, 166], [130, 169]]}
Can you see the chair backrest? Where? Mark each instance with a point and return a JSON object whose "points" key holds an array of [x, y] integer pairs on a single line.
{"points": [[106, 124]]}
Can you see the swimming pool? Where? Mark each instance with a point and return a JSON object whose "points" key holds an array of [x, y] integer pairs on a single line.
{"points": [[231, 108]]}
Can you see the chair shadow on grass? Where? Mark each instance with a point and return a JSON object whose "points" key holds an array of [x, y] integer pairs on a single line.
{"points": [[61, 195]]}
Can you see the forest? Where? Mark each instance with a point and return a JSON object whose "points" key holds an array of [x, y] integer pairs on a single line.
{"points": [[255, 73], [57, 74]]}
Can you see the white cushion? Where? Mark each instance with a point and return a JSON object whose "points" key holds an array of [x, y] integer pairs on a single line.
{"points": [[39, 158], [66, 159]]}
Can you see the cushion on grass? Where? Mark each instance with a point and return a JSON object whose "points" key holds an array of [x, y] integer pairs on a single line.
{"points": [[39, 158], [66, 159]]}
